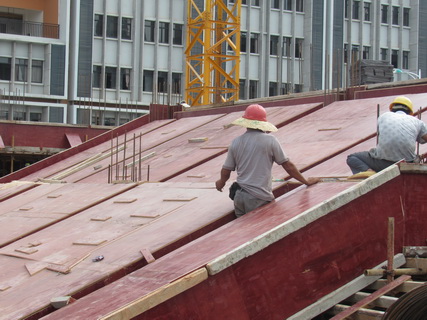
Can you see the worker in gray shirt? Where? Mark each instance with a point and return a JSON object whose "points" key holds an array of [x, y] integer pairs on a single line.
{"points": [[398, 133], [252, 155]]}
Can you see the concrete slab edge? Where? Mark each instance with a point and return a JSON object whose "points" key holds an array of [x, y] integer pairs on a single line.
{"points": [[279, 232]]}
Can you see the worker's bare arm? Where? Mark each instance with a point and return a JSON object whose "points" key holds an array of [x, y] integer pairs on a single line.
{"points": [[225, 175], [293, 171]]}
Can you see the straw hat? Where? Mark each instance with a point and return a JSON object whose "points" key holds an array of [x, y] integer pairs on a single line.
{"points": [[255, 117]]}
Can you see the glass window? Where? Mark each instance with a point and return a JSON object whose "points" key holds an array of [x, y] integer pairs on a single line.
{"points": [[35, 116], [176, 83], [395, 16], [274, 45], [21, 69], [405, 60], [147, 85], [298, 48], [242, 84], [37, 71], [99, 25], [356, 5], [395, 58], [299, 6], [112, 27], [255, 3], [286, 46], [298, 88], [384, 13], [96, 76], [149, 31], [272, 89], [5, 68], [243, 36], [284, 88], [287, 5], [110, 77], [275, 4], [177, 33], [125, 78], [162, 82], [253, 89], [366, 51], [127, 28], [163, 32], [56, 114], [254, 43], [345, 53], [383, 53], [367, 11], [406, 17], [346, 9]]}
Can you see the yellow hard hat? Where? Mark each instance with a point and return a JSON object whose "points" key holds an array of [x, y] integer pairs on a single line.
{"points": [[403, 101]]}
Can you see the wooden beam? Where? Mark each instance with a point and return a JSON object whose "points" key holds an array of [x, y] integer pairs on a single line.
{"points": [[158, 296]]}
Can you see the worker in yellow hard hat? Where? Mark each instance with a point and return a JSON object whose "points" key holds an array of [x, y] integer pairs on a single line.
{"points": [[252, 154], [398, 133]]}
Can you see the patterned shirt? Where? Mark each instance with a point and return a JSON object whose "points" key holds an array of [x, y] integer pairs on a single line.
{"points": [[397, 136], [252, 155]]}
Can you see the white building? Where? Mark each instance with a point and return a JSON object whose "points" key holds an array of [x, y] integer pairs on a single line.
{"points": [[108, 60]]}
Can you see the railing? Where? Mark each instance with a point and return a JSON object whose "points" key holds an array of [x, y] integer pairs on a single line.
{"points": [[28, 28]]}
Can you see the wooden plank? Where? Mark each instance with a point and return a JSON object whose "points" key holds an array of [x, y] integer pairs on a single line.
{"points": [[90, 242], [392, 285], [342, 293], [73, 139], [158, 296], [147, 255], [35, 267], [26, 250], [180, 199], [125, 200], [100, 218]]}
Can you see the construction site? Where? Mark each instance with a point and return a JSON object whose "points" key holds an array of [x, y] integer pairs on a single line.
{"points": [[127, 223]]}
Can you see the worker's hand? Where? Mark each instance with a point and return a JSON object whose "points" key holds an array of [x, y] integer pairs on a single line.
{"points": [[219, 185], [312, 181]]}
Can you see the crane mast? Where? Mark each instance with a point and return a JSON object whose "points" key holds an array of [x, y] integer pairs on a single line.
{"points": [[212, 52]]}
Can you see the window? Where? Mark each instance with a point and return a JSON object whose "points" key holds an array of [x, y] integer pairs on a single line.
{"points": [[243, 36], [406, 17], [395, 16], [395, 58], [176, 83], [99, 25], [286, 49], [110, 77], [354, 53], [287, 5], [405, 60], [284, 88], [356, 5], [149, 31], [384, 13], [299, 6], [112, 27], [244, 2], [253, 89], [383, 54], [177, 34], [254, 43], [147, 85], [127, 28], [37, 71], [5, 68], [366, 51], [275, 4], [255, 3], [367, 11], [35, 116], [345, 53], [297, 88], [163, 32], [21, 69], [272, 89], [125, 78], [242, 87], [298, 48], [274, 45], [162, 82], [96, 76], [346, 9], [56, 114]]}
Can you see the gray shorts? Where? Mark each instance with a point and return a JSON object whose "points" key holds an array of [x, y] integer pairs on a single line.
{"points": [[244, 202]]}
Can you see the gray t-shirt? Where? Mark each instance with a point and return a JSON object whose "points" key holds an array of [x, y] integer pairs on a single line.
{"points": [[398, 134], [252, 155]]}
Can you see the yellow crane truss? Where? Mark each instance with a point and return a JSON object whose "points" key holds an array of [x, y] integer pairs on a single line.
{"points": [[212, 52]]}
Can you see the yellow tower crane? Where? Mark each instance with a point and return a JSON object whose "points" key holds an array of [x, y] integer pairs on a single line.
{"points": [[212, 52]]}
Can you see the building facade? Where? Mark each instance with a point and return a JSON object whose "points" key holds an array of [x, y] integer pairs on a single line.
{"points": [[102, 62]]}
